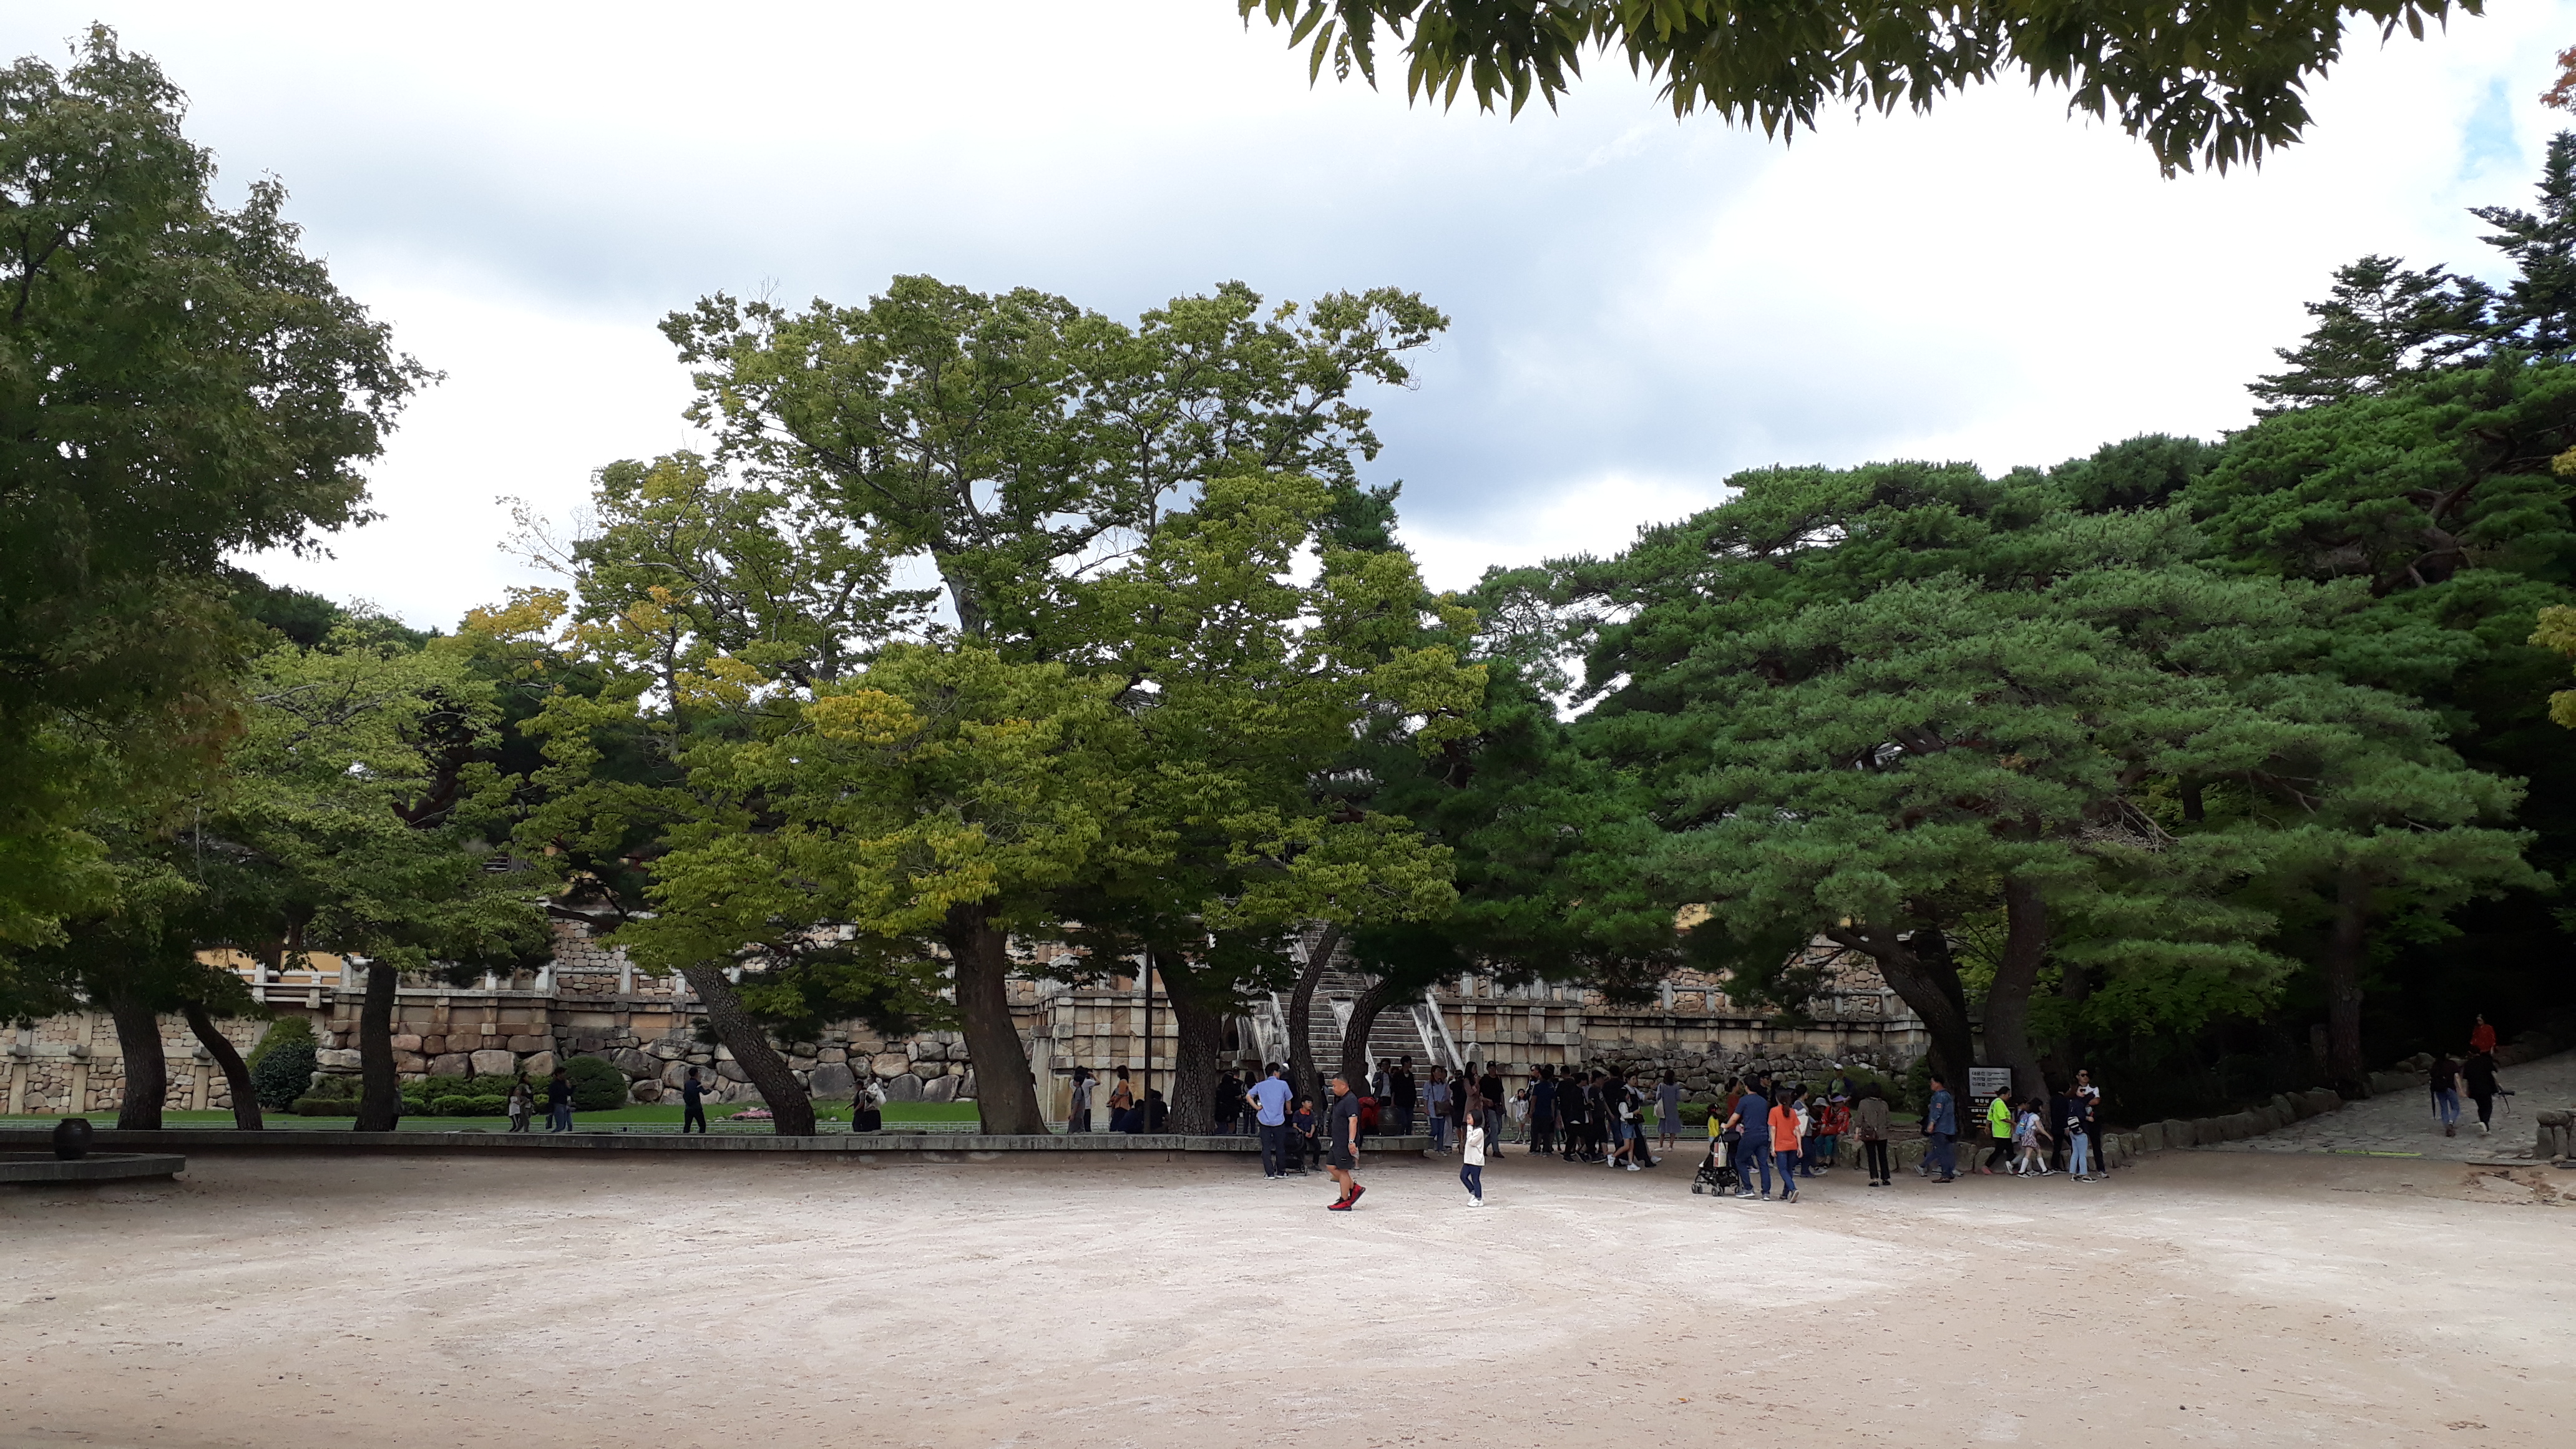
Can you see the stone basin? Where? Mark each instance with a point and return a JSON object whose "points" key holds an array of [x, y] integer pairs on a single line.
{"points": [[96, 1167]]}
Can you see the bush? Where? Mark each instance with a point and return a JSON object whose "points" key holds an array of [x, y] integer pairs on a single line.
{"points": [[1695, 1114], [451, 1107], [282, 1065], [597, 1084], [335, 1088], [322, 1107]]}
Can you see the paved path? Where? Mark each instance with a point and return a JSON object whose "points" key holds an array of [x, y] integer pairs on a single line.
{"points": [[2402, 1121]]}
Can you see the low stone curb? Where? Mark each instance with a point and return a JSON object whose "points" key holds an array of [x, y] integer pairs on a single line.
{"points": [[45, 1167], [929, 1146]]}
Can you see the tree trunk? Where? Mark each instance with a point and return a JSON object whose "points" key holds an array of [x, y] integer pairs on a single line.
{"points": [[1198, 1028], [1355, 1035], [1301, 1010], [1923, 976], [1006, 1095], [147, 1074], [791, 1108], [236, 1073], [2016, 976], [2347, 951], [380, 1093]]}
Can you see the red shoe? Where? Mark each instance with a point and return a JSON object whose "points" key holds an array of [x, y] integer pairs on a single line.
{"points": [[1356, 1191], [1342, 1206]]}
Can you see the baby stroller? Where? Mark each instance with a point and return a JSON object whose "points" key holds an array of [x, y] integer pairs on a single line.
{"points": [[1716, 1171]]}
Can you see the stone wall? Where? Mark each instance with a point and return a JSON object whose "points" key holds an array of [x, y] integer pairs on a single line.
{"points": [[73, 1063]]}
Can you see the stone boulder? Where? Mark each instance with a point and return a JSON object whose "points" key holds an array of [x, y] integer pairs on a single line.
{"points": [[539, 1065], [732, 1071], [832, 1081], [889, 1064], [329, 1057], [531, 1043], [449, 1064], [966, 1085], [2180, 1134], [674, 1074], [940, 1089], [646, 1092], [630, 1061], [493, 1063], [2152, 1137], [406, 1042], [903, 1088], [667, 1050]]}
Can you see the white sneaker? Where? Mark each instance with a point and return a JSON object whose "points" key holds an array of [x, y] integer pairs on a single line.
{"points": [[1471, 1199], [1475, 1202], [1632, 1167]]}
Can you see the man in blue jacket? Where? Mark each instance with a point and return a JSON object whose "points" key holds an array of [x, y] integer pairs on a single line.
{"points": [[1941, 1124], [1753, 1150]]}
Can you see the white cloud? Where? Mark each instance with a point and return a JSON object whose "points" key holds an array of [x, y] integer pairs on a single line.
{"points": [[1643, 306]]}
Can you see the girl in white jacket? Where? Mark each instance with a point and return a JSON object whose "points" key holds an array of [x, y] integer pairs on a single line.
{"points": [[1471, 1159]]}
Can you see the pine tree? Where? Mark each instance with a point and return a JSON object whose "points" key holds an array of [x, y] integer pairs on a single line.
{"points": [[2381, 326]]}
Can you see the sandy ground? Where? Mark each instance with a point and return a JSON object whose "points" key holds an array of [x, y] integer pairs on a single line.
{"points": [[2206, 1298]]}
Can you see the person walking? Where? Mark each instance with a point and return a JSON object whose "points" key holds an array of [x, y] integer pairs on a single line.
{"points": [[2444, 1082], [559, 1102], [867, 1112], [1542, 1118], [2482, 1037], [1400, 1091], [1871, 1119], [1941, 1127], [1342, 1145], [1784, 1142], [2030, 1137], [1077, 1118], [693, 1105], [1471, 1160], [2091, 1096], [1122, 1104], [2479, 1074], [1435, 1096], [1490, 1087], [1668, 1111], [1751, 1122], [1269, 1102], [1305, 1147], [1999, 1129], [523, 1100]]}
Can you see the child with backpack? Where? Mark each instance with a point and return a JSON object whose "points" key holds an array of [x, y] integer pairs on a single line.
{"points": [[2031, 1136]]}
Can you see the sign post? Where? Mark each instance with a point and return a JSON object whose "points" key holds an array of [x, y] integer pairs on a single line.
{"points": [[1984, 1085]]}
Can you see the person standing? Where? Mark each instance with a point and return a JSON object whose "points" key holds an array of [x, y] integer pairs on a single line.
{"points": [[1471, 1160], [1269, 1102], [1342, 1145], [2479, 1073], [1122, 1104], [1751, 1122], [1490, 1087], [1833, 1122], [1400, 1091], [2444, 1083], [1999, 1128], [2079, 1139], [559, 1101], [867, 1113], [1941, 1125], [1305, 1146], [1784, 1143], [2482, 1037], [1542, 1119], [1436, 1098], [523, 1100], [1872, 1121], [1078, 1117], [1668, 1111], [2091, 1096], [693, 1105], [1228, 1106]]}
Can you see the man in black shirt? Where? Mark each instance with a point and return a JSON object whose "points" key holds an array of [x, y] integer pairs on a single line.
{"points": [[1399, 1086], [1490, 1087], [1342, 1144]]}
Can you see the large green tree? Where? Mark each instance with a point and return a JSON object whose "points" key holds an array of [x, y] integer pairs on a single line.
{"points": [[2208, 83], [178, 381]]}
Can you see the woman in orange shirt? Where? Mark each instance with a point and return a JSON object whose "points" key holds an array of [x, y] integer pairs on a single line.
{"points": [[1784, 1143]]}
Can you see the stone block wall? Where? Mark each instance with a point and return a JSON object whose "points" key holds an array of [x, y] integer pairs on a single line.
{"points": [[74, 1063]]}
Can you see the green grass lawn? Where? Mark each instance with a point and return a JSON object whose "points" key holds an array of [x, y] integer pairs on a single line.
{"points": [[629, 1118]]}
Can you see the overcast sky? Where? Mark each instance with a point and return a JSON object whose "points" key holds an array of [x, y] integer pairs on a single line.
{"points": [[1642, 306]]}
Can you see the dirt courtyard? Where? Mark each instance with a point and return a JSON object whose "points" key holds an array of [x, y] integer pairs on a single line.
{"points": [[2205, 1298]]}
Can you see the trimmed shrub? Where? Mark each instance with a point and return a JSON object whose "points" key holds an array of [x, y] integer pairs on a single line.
{"points": [[322, 1107], [281, 1067], [597, 1084], [450, 1107]]}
